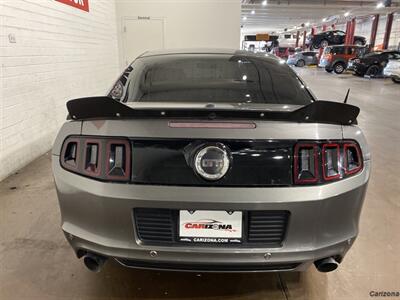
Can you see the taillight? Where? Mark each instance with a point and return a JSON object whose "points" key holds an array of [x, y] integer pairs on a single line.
{"points": [[100, 158], [306, 163], [118, 160], [352, 159], [320, 162]]}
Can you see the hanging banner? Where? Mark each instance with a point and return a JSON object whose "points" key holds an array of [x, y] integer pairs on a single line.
{"points": [[80, 4]]}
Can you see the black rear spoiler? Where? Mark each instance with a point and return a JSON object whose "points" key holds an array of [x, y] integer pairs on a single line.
{"points": [[317, 112]]}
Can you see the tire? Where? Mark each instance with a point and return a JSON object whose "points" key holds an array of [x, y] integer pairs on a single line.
{"points": [[323, 44], [329, 70], [314, 47], [339, 68], [300, 63], [372, 71], [358, 43], [396, 80]]}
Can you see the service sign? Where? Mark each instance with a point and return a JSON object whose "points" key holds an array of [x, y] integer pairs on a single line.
{"points": [[208, 226], [80, 4], [262, 37]]}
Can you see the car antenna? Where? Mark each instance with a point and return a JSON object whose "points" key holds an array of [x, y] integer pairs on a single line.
{"points": [[347, 96]]}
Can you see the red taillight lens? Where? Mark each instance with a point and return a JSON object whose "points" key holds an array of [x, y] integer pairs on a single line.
{"points": [[352, 159], [334, 161], [306, 163], [330, 161], [99, 158]]}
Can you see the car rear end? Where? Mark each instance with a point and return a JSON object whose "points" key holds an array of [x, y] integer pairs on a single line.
{"points": [[326, 58], [205, 186]]}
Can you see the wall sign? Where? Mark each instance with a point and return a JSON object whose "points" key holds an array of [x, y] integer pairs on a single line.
{"points": [[80, 4]]}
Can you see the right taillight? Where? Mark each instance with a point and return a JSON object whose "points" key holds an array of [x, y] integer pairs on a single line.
{"points": [[96, 157], [352, 161], [321, 162]]}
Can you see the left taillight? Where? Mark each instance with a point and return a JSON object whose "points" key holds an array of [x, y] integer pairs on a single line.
{"points": [[99, 158]]}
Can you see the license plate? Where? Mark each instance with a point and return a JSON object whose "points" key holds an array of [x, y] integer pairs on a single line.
{"points": [[210, 226]]}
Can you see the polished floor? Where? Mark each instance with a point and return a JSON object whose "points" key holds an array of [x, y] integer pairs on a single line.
{"points": [[37, 263]]}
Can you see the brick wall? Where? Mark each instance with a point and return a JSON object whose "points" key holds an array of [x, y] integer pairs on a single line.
{"points": [[59, 53]]}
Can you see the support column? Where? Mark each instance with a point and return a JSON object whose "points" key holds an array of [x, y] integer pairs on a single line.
{"points": [[324, 27], [388, 30], [374, 30], [333, 26], [297, 38], [353, 30], [304, 39]]}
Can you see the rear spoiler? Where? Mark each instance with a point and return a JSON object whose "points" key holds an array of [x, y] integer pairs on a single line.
{"points": [[317, 112]]}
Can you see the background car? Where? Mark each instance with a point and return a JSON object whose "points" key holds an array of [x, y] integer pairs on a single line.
{"points": [[372, 64], [332, 37], [283, 52], [304, 58], [393, 69], [335, 58]]}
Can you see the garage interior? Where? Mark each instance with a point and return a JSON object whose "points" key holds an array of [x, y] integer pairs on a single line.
{"points": [[52, 51]]}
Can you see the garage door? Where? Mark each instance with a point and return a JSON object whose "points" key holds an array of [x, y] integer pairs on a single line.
{"points": [[142, 34]]}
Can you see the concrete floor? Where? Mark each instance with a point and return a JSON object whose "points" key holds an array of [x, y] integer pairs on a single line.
{"points": [[37, 263]]}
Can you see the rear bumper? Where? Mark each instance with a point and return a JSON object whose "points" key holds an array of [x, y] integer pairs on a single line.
{"points": [[98, 217]]}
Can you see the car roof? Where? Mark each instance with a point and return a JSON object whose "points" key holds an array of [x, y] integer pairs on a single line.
{"points": [[195, 51]]}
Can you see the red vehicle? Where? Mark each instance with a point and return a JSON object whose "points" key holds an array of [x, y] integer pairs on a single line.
{"points": [[283, 52], [335, 58]]}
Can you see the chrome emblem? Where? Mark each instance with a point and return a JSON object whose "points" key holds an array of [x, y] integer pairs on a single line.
{"points": [[211, 162]]}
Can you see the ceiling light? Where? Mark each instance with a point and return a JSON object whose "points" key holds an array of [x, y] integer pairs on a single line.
{"points": [[324, 20], [253, 12], [307, 24], [347, 13], [244, 18], [264, 2], [380, 5]]}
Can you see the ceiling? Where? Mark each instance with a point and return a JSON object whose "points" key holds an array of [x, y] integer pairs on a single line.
{"points": [[277, 15]]}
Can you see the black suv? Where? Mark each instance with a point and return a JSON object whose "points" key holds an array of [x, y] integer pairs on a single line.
{"points": [[332, 37], [372, 64]]}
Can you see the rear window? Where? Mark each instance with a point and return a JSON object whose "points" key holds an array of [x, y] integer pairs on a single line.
{"points": [[216, 78]]}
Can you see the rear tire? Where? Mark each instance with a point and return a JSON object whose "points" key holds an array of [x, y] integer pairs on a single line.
{"points": [[372, 71], [323, 44], [339, 68], [300, 63], [396, 80]]}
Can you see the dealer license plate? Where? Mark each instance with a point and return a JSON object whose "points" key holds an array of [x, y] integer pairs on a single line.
{"points": [[210, 226]]}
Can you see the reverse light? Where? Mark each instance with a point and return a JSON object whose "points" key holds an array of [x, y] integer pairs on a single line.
{"points": [[320, 162]]}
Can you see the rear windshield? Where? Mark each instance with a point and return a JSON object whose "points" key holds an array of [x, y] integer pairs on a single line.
{"points": [[216, 78]]}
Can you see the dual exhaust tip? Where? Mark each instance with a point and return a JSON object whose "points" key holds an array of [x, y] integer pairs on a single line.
{"points": [[95, 262]]}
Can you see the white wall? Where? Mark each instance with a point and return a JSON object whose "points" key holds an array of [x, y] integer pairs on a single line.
{"points": [[60, 53], [188, 23]]}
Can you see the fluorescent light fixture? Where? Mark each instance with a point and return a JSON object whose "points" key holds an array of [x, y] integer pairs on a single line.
{"points": [[307, 24], [324, 20], [380, 5], [253, 12], [264, 2], [244, 18], [346, 14]]}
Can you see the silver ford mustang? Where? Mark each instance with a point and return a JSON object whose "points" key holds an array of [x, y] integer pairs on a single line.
{"points": [[211, 160]]}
